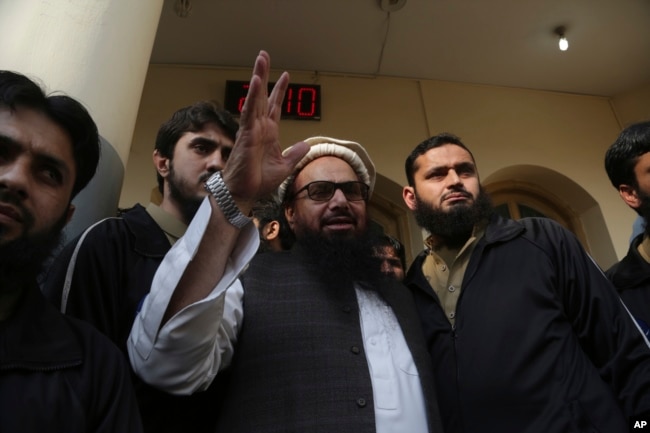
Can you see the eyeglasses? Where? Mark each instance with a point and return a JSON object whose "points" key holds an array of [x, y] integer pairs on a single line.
{"points": [[322, 190]]}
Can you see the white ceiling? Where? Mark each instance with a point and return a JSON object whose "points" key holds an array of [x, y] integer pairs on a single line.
{"points": [[495, 42]]}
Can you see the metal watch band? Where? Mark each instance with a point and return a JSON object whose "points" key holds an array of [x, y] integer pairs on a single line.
{"points": [[216, 186]]}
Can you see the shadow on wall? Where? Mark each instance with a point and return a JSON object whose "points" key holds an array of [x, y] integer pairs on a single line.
{"points": [[100, 197], [568, 199]]}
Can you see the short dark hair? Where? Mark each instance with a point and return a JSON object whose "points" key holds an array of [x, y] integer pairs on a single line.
{"points": [[426, 145], [191, 119], [386, 241], [16, 90], [623, 154], [270, 209]]}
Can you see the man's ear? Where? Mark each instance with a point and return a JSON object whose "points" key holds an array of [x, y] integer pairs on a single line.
{"points": [[629, 196], [408, 194], [271, 230], [161, 163], [289, 214], [70, 212]]}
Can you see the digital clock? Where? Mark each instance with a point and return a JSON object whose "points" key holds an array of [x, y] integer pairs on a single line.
{"points": [[302, 101]]}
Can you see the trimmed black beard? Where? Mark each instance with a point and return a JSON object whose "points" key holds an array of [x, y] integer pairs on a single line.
{"points": [[22, 259], [644, 210], [454, 226], [342, 260], [189, 205]]}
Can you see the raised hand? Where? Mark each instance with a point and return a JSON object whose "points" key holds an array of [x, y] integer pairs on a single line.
{"points": [[256, 166]]}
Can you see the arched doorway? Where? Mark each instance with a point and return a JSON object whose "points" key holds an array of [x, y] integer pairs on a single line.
{"points": [[536, 189], [517, 199]]}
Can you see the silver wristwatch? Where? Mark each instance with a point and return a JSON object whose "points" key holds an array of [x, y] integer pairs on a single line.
{"points": [[215, 186]]}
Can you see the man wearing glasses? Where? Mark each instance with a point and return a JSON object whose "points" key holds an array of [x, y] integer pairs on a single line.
{"points": [[324, 342]]}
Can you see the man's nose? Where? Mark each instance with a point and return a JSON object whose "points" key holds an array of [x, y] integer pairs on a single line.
{"points": [[15, 177], [339, 198], [216, 161], [453, 178]]}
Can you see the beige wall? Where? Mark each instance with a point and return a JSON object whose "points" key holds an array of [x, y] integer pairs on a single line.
{"points": [[633, 106], [554, 140]]}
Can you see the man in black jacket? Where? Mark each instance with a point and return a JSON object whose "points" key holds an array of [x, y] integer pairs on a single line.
{"points": [[526, 333], [103, 275], [627, 162], [56, 373]]}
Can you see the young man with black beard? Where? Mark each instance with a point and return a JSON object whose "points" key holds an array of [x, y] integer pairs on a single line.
{"points": [[56, 373], [627, 163], [323, 341], [103, 275], [525, 331]]}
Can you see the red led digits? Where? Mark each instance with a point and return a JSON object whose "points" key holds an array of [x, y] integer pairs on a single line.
{"points": [[242, 99], [301, 101], [288, 99], [310, 101]]}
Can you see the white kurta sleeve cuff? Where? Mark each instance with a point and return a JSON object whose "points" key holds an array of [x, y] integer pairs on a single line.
{"points": [[186, 353]]}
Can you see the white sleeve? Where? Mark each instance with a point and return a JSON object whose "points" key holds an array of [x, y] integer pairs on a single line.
{"points": [[185, 354]]}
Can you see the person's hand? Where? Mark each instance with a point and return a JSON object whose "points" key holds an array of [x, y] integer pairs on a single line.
{"points": [[256, 165]]}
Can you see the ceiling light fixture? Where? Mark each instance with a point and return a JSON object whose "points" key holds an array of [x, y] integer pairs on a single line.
{"points": [[391, 5], [387, 6], [563, 44], [183, 8]]}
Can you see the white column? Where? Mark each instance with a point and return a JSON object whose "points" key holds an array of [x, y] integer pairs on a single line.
{"points": [[96, 51]]}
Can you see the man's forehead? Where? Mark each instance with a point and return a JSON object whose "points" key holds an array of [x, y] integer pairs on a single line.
{"points": [[448, 149], [327, 168], [387, 251], [211, 131], [644, 158], [446, 155], [34, 131]]}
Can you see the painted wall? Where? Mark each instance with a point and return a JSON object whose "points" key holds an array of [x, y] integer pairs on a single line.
{"points": [[509, 131], [633, 106]]}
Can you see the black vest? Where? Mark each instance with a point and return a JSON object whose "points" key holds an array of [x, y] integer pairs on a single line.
{"points": [[300, 364]]}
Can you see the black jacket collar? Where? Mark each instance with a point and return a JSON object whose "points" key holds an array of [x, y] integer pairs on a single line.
{"points": [[151, 243], [498, 230], [633, 270], [37, 336]]}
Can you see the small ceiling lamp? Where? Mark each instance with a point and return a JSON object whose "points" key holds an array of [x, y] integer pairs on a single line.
{"points": [[391, 5], [183, 8], [563, 44]]}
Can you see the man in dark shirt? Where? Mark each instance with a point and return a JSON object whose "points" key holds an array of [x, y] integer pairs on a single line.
{"points": [[103, 275], [627, 162], [56, 373]]}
